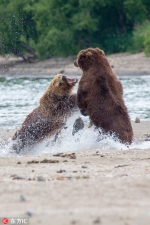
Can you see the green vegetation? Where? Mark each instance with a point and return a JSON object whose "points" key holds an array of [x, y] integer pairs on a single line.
{"points": [[141, 39], [45, 28]]}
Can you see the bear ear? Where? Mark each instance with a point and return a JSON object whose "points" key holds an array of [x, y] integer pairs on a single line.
{"points": [[88, 54], [53, 82], [100, 51]]}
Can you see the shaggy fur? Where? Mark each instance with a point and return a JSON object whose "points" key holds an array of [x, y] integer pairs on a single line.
{"points": [[100, 94], [56, 105]]}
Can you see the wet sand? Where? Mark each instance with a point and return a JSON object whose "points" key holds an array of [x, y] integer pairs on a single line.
{"points": [[110, 187], [122, 64]]}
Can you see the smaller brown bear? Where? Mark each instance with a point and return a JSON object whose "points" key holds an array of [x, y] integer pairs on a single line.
{"points": [[100, 94], [56, 105]]}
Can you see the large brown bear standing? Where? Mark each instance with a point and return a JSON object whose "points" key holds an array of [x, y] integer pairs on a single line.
{"points": [[100, 94], [56, 105]]}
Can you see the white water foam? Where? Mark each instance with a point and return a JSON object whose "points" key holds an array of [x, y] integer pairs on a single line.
{"points": [[5, 148], [86, 139]]}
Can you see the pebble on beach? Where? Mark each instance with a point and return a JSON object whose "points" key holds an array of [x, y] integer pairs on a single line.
{"points": [[137, 120]]}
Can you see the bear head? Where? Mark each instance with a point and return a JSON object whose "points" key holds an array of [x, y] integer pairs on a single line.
{"points": [[62, 85], [88, 58]]}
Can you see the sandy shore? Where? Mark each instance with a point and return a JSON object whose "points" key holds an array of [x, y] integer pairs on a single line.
{"points": [[122, 64], [108, 187]]}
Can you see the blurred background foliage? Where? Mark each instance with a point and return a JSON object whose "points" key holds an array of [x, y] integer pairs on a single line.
{"points": [[45, 28]]}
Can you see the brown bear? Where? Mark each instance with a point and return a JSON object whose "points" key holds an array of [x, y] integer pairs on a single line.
{"points": [[100, 94], [56, 105]]}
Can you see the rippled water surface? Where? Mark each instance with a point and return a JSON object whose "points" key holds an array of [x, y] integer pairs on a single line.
{"points": [[19, 96]]}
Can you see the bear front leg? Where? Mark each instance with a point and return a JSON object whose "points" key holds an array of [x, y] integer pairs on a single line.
{"points": [[81, 100], [78, 125]]}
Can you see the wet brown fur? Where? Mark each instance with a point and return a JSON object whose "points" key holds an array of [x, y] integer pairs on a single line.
{"points": [[100, 94], [56, 104]]}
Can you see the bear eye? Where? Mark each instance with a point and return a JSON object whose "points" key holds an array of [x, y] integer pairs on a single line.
{"points": [[82, 58], [60, 84]]}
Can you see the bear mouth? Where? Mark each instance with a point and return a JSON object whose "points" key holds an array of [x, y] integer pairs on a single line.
{"points": [[70, 81]]}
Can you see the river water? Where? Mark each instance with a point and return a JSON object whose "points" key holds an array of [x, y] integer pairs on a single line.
{"points": [[19, 96]]}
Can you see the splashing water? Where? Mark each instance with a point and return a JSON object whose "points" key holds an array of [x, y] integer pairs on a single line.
{"points": [[5, 148], [86, 139]]}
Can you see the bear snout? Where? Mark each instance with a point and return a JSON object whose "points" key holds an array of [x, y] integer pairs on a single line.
{"points": [[64, 78], [75, 63]]}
